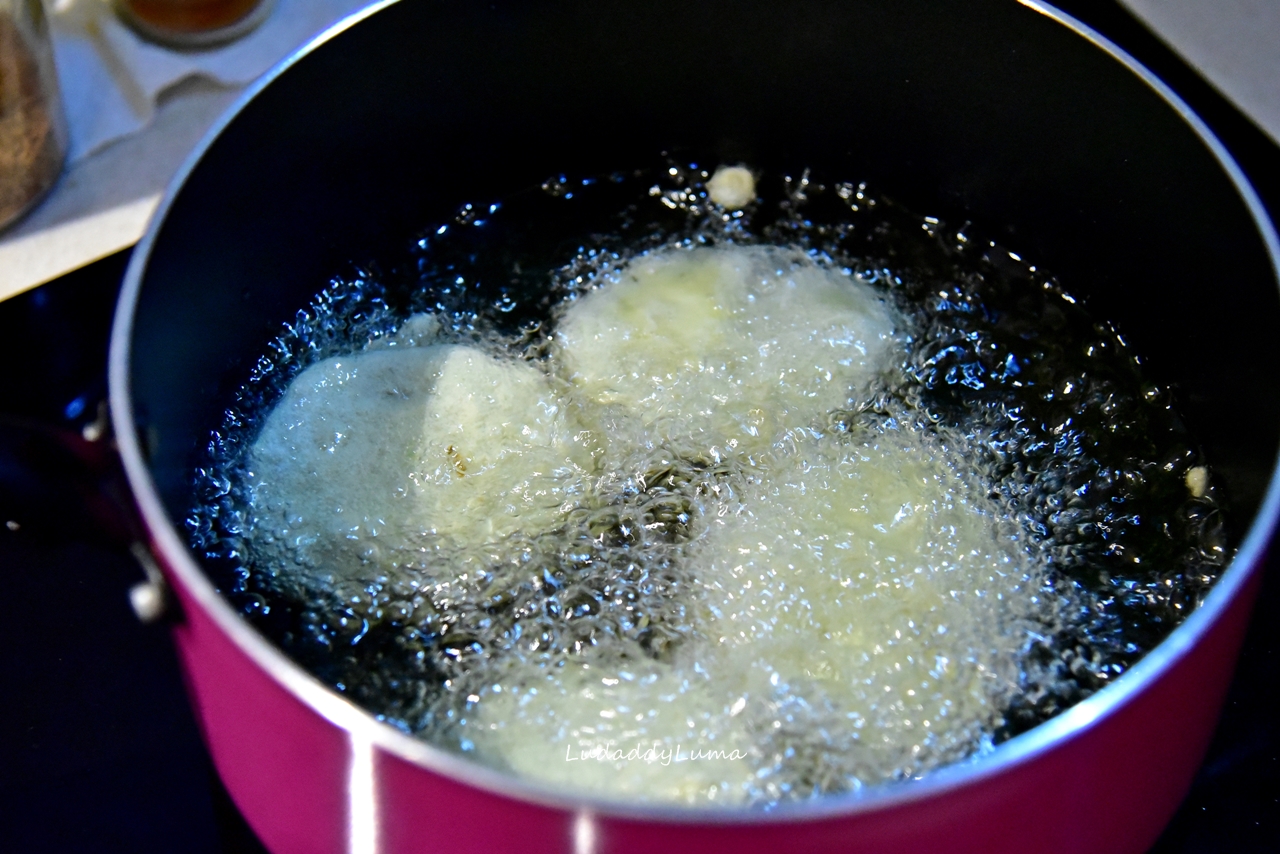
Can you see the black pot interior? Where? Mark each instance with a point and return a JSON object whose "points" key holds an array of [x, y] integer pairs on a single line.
{"points": [[984, 111]]}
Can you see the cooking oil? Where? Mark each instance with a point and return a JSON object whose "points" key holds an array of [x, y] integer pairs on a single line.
{"points": [[611, 486]]}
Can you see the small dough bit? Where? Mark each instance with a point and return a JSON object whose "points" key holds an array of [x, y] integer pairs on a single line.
{"points": [[726, 347], [1197, 481], [733, 187], [367, 453]]}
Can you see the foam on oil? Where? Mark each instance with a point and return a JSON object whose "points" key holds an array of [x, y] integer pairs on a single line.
{"points": [[859, 495]]}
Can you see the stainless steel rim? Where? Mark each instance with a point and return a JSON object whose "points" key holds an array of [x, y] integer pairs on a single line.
{"points": [[362, 725]]}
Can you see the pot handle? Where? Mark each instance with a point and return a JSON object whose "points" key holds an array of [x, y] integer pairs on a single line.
{"points": [[53, 477], [149, 599]]}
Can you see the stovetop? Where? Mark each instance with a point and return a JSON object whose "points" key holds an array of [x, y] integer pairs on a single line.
{"points": [[98, 748]]}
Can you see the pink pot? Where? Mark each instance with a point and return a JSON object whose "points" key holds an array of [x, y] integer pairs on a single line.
{"points": [[379, 126]]}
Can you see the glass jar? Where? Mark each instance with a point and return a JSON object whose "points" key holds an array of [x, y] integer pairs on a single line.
{"points": [[193, 23], [33, 131]]}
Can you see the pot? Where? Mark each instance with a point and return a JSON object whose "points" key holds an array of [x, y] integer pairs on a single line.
{"points": [[1012, 115]]}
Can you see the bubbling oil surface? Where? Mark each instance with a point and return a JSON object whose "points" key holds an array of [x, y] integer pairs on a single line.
{"points": [[701, 621]]}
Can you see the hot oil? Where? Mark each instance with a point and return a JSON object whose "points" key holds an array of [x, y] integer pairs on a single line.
{"points": [[1096, 527]]}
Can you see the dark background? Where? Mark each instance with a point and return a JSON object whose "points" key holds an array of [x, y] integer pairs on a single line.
{"points": [[98, 749]]}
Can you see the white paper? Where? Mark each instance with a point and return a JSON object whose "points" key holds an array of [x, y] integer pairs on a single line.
{"points": [[112, 78]]}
